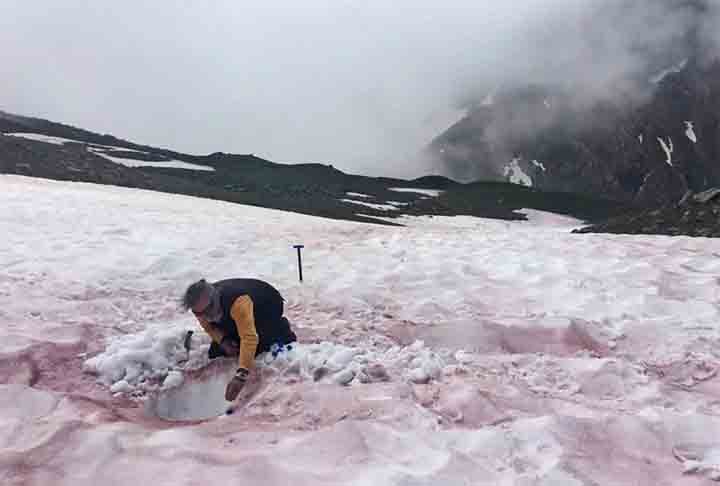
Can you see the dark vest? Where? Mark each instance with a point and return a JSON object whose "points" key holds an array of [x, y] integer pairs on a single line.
{"points": [[267, 303]]}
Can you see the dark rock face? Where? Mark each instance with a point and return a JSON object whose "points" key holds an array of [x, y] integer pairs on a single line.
{"points": [[694, 215], [66, 162], [304, 188], [649, 153]]}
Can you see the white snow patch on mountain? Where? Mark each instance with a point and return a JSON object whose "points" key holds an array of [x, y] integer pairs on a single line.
{"points": [[428, 192], [690, 131], [539, 165], [42, 138], [170, 164], [358, 194], [382, 207], [61, 141], [672, 69], [668, 148], [175, 164], [516, 175]]}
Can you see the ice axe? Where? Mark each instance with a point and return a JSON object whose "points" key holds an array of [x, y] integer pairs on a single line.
{"points": [[299, 247], [187, 343]]}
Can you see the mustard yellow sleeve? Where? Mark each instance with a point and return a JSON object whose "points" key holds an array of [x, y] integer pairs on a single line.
{"points": [[242, 314], [212, 331]]}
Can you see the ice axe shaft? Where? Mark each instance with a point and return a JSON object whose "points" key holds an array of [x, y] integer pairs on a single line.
{"points": [[187, 343], [299, 255]]}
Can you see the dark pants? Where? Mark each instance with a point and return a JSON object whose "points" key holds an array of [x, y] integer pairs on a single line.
{"points": [[275, 331]]}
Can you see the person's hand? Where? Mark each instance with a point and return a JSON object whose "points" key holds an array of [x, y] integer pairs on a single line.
{"points": [[230, 347], [236, 384]]}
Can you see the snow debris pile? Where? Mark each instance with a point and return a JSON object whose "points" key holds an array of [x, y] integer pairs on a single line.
{"points": [[149, 360], [342, 364], [156, 359]]}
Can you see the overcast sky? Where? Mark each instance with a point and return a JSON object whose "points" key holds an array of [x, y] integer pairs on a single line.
{"points": [[362, 84]]}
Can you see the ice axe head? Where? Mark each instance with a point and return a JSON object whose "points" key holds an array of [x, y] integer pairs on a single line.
{"points": [[187, 342]]}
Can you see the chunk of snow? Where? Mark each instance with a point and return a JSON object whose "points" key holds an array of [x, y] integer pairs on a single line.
{"points": [[121, 386], [690, 131], [464, 357], [419, 376], [516, 175], [173, 379], [342, 357], [344, 377]]}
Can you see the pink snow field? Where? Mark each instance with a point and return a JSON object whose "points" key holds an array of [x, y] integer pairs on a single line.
{"points": [[450, 351]]}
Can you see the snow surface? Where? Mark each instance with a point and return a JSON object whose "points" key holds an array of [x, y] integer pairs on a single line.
{"points": [[516, 175], [690, 131], [453, 350], [427, 192]]}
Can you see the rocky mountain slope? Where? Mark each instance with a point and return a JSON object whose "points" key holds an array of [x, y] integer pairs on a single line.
{"points": [[41, 148], [693, 215], [647, 142], [650, 153]]}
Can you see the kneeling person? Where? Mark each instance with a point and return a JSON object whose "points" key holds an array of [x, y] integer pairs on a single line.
{"points": [[244, 318]]}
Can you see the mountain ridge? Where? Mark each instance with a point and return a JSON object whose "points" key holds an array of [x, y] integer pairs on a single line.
{"points": [[41, 148], [644, 152]]}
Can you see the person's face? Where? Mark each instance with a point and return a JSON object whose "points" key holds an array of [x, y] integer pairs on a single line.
{"points": [[208, 306]]}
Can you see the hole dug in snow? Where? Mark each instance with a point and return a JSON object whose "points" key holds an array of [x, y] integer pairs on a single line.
{"points": [[197, 398]]}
